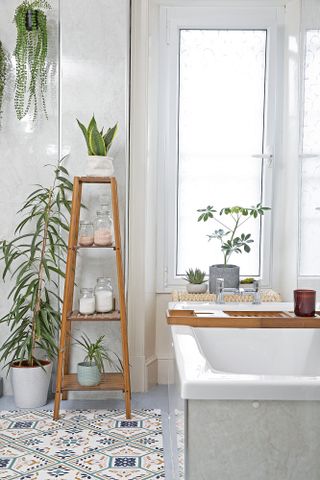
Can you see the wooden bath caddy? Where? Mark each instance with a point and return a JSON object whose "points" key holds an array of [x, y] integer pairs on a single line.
{"points": [[242, 319]]}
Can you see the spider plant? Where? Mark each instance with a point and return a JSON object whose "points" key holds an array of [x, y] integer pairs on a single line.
{"points": [[96, 353], [32, 261], [31, 57]]}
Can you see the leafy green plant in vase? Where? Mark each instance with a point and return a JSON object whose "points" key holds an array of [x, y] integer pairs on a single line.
{"points": [[31, 57], [230, 238], [3, 75], [196, 281], [98, 145], [89, 371], [32, 260]]}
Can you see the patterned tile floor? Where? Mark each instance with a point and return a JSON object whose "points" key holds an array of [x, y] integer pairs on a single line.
{"points": [[83, 445]]}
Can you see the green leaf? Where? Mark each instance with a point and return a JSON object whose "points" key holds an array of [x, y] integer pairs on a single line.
{"points": [[110, 136], [97, 145]]}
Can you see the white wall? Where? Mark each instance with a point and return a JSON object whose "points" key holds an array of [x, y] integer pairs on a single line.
{"points": [[94, 78]]}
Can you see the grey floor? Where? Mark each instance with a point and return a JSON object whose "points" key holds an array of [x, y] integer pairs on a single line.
{"points": [[157, 398]]}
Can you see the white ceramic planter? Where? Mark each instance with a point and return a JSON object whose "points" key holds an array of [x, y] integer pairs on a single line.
{"points": [[197, 287], [99, 166], [30, 385]]}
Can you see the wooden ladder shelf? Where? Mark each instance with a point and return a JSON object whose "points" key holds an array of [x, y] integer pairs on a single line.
{"points": [[66, 381]]}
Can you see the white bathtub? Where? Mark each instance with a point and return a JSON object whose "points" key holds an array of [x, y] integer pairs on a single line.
{"points": [[247, 364], [250, 401]]}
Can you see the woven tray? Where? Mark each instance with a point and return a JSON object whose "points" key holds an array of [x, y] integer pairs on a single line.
{"points": [[267, 295]]}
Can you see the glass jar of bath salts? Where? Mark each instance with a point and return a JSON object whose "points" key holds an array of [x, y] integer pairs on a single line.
{"points": [[104, 295], [87, 302], [86, 234], [103, 229]]}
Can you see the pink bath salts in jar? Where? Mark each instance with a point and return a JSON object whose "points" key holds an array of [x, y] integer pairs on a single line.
{"points": [[103, 229], [86, 234]]}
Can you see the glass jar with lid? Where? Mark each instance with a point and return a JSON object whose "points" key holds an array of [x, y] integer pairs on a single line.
{"points": [[105, 203], [103, 295], [86, 234], [87, 303], [103, 229]]}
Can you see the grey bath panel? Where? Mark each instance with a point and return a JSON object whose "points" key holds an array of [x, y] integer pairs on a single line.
{"points": [[244, 440]]}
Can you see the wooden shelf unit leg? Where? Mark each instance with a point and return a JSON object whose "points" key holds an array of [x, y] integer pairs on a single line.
{"points": [[122, 301], [68, 291]]}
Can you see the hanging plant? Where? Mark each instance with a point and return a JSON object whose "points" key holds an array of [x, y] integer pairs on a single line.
{"points": [[31, 57], [3, 75]]}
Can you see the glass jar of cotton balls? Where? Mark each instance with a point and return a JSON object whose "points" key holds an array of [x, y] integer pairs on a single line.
{"points": [[87, 303], [103, 295]]}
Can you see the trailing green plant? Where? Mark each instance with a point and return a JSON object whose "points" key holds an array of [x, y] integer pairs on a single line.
{"points": [[97, 142], [96, 353], [229, 240], [3, 75], [195, 276], [32, 260], [31, 57]]}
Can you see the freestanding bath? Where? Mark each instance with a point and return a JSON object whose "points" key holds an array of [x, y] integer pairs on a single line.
{"points": [[251, 399]]}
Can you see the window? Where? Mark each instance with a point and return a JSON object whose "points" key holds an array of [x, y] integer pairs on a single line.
{"points": [[216, 128], [310, 159]]}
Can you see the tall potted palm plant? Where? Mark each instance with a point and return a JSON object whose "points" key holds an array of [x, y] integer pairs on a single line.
{"points": [[32, 259]]}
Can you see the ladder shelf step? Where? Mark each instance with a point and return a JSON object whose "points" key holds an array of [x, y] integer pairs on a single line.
{"points": [[109, 247], [75, 316], [109, 381]]}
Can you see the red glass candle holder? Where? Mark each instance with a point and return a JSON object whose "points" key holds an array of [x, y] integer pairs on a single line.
{"points": [[304, 303]]}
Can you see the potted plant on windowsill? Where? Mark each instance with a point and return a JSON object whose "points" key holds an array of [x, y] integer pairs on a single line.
{"points": [[32, 260], [98, 145], [196, 281], [89, 371], [231, 240]]}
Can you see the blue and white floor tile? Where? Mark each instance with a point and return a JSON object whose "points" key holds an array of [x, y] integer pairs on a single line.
{"points": [[82, 445]]}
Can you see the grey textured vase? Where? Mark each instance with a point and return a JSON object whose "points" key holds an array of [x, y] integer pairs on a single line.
{"points": [[88, 374], [230, 274]]}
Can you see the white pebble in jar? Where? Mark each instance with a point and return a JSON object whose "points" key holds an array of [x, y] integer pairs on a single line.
{"points": [[104, 301]]}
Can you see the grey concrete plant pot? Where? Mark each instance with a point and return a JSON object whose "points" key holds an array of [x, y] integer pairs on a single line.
{"points": [[230, 274]]}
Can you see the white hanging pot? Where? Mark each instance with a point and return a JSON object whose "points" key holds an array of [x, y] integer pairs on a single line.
{"points": [[99, 166], [31, 384]]}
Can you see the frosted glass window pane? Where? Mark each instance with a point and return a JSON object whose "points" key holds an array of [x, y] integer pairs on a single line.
{"points": [[221, 119], [310, 171]]}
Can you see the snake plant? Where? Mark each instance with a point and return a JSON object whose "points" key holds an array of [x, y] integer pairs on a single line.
{"points": [[97, 142], [31, 57], [32, 262], [3, 75]]}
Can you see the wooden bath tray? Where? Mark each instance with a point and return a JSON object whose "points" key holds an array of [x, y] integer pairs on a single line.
{"points": [[243, 319]]}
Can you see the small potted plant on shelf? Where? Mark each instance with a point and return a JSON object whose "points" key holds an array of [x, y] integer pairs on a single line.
{"points": [[89, 371], [196, 281], [231, 240], [98, 145], [31, 57], [247, 282], [32, 260]]}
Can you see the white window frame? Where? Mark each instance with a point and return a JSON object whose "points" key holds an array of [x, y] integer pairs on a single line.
{"points": [[309, 22], [172, 19]]}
